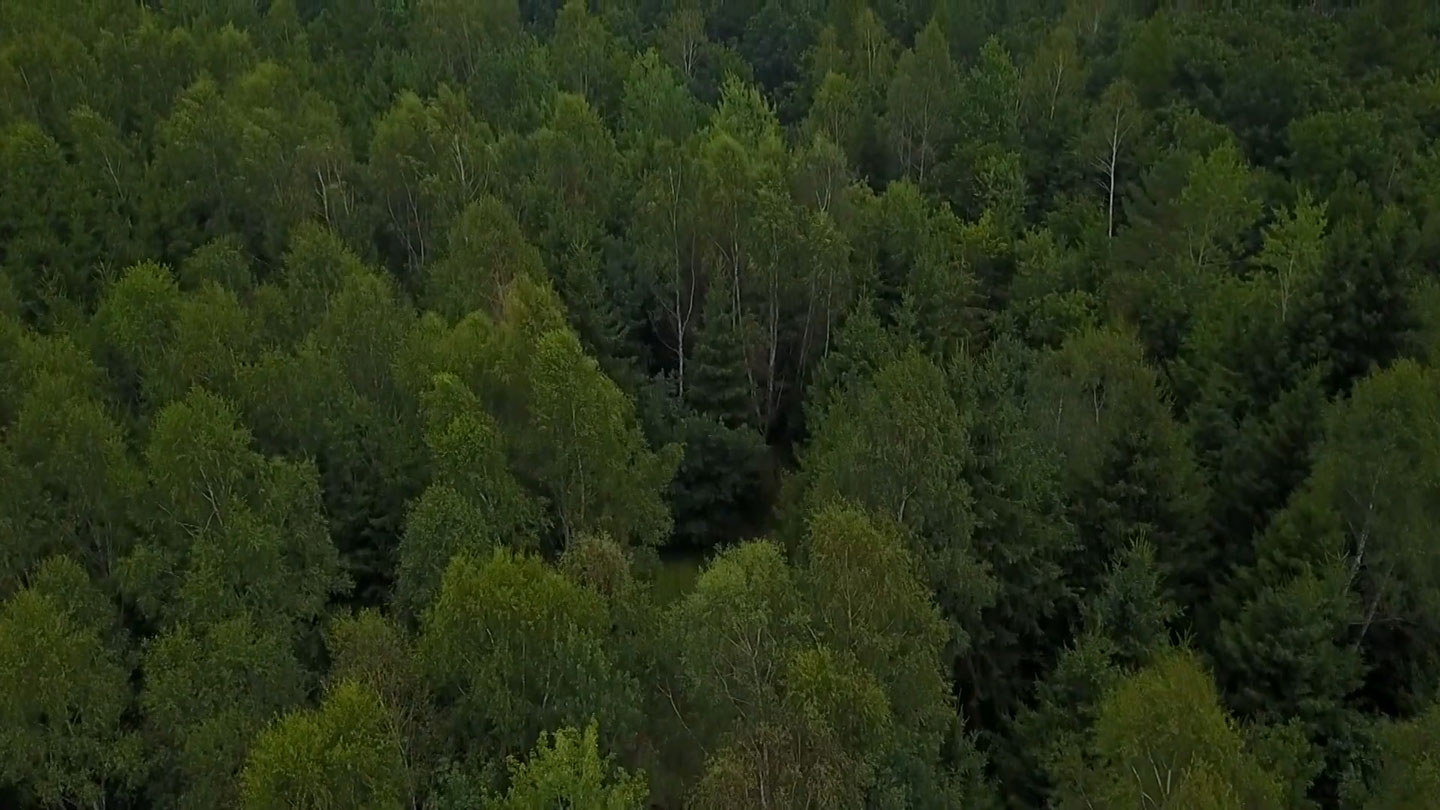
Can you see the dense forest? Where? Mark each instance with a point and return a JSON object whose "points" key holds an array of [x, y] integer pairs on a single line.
{"points": [[621, 404]]}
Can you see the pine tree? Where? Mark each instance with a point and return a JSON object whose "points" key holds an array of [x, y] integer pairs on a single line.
{"points": [[718, 385]]}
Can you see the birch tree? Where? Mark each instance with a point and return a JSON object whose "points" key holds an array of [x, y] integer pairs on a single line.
{"points": [[1113, 124]]}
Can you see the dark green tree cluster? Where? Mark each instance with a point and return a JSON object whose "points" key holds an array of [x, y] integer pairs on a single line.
{"points": [[516, 404]]}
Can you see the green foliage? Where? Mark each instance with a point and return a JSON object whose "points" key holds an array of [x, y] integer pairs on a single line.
{"points": [[232, 150], [1283, 659], [766, 403], [748, 592], [737, 630], [1123, 625], [896, 444], [512, 648], [913, 422], [447, 38], [919, 106], [871, 604], [473, 502], [864, 580], [70, 484], [54, 663], [137, 319], [584, 446], [577, 178], [233, 532], [426, 161], [1126, 462], [717, 485], [1022, 532], [794, 689], [484, 251], [374, 652], [1363, 508], [1161, 736], [655, 103], [569, 431], [566, 769], [1408, 772], [207, 693], [343, 754]]}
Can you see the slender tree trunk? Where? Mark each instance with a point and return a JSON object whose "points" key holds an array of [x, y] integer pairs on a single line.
{"points": [[1370, 612], [1055, 88], [682, 282], [770, 396], [1114, 160]]}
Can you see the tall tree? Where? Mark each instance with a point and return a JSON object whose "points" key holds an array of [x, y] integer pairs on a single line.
{"points": [[512, 648], [1123, 625], [376, 653], [426, 162], [920, 106], [1161, 737], [71, 485], [1113, 128], [207, 693], [567, 769], [232, 533], [485, 250], [449, 39], [585, 57], [1365, 506], [870, 602], [740, 646], [582, 443], [895, 443], [473, 502], [1126, 462], [343, 754], [1407, 776], [66, 691], [668, 252]]}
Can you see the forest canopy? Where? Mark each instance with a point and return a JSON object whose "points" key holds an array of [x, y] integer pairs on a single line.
{"points": [[625, 404]]}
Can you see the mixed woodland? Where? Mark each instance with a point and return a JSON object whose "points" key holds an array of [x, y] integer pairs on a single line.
{"points": [[710, 404]]}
